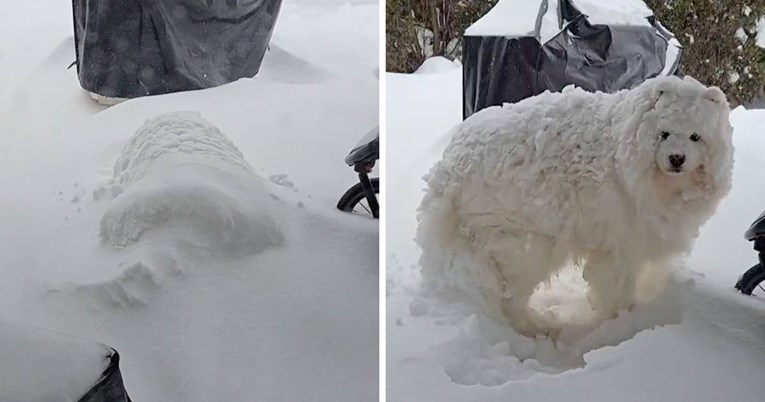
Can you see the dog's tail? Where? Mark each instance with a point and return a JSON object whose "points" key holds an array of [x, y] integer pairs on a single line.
{"points": [[447, 263], [436, 227]]}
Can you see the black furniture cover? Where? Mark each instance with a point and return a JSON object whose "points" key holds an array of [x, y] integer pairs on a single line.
{"points": [[132, 48], [501, 69], [108, 388], [42, 365]]}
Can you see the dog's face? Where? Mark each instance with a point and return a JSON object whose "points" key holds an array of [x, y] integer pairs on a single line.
{"points": [[687, 129], [679, 152], [675, 159]]}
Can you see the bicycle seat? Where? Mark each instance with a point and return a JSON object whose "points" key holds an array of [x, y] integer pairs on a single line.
{"points": [[367, 150], [757, 229]]}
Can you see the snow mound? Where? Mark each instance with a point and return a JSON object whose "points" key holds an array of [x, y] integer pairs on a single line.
{"points": [[184, 178], [435, 65]]}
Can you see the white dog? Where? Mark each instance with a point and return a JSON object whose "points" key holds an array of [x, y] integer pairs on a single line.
{"points": [[612, 182]]}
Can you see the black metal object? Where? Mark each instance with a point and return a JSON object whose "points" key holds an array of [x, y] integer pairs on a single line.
{"points": [[363, 159], [132, 48], [757, 229], [365, 154], [47, 353], [755, 275], [369, 192], [751, 279], [595, 57]]}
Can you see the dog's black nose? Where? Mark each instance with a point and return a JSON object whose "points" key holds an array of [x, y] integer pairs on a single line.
{"points": [[676, 160]]}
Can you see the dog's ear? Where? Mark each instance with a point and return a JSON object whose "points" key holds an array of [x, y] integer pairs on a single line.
{"points": [[691, 80], [715, 95], [660, 87]]}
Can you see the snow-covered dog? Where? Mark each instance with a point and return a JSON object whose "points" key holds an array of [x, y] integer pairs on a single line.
{"points": [[612, 182]]}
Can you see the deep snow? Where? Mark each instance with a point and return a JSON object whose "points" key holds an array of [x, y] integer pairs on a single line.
{"points": [[696, 340], [225, 274]]}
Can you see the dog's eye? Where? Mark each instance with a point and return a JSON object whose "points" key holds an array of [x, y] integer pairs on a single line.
{"points": [[695, 137], [664, 135]]}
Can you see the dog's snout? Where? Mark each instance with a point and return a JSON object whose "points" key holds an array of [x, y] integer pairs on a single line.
{"points": [[676, 160]]}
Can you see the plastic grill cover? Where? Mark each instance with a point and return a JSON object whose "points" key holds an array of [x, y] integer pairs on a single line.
{"points": [[109, 387], [131, 48], [41, 365], [596, 57]]}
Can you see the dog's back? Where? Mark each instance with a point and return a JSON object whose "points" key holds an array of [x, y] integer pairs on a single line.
{"points": [[531, 165]]}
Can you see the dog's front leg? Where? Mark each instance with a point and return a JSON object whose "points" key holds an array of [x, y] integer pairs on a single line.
{"points": [[611, 281]]}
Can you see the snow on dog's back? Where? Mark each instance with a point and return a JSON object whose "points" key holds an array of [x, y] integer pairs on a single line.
{"points": [[176, 132], [184, 189], [182, 176]]}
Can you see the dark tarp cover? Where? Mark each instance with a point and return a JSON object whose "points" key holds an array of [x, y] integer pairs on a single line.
{"points": [[606, 58], [132, 48], [43, 365], [109, 387]]}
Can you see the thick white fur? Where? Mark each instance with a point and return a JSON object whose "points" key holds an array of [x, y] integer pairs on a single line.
{"points": [[577, 177]]}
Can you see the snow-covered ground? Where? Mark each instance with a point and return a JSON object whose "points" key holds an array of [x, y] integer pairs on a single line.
{"points": [[226, 278], [695, 340]]}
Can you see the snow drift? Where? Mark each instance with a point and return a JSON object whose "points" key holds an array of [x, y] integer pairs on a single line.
{"points": [[436, 65]]}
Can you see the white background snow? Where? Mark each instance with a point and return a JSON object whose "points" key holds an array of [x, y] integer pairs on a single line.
{"points": [[297, 321], [698, 340]]}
